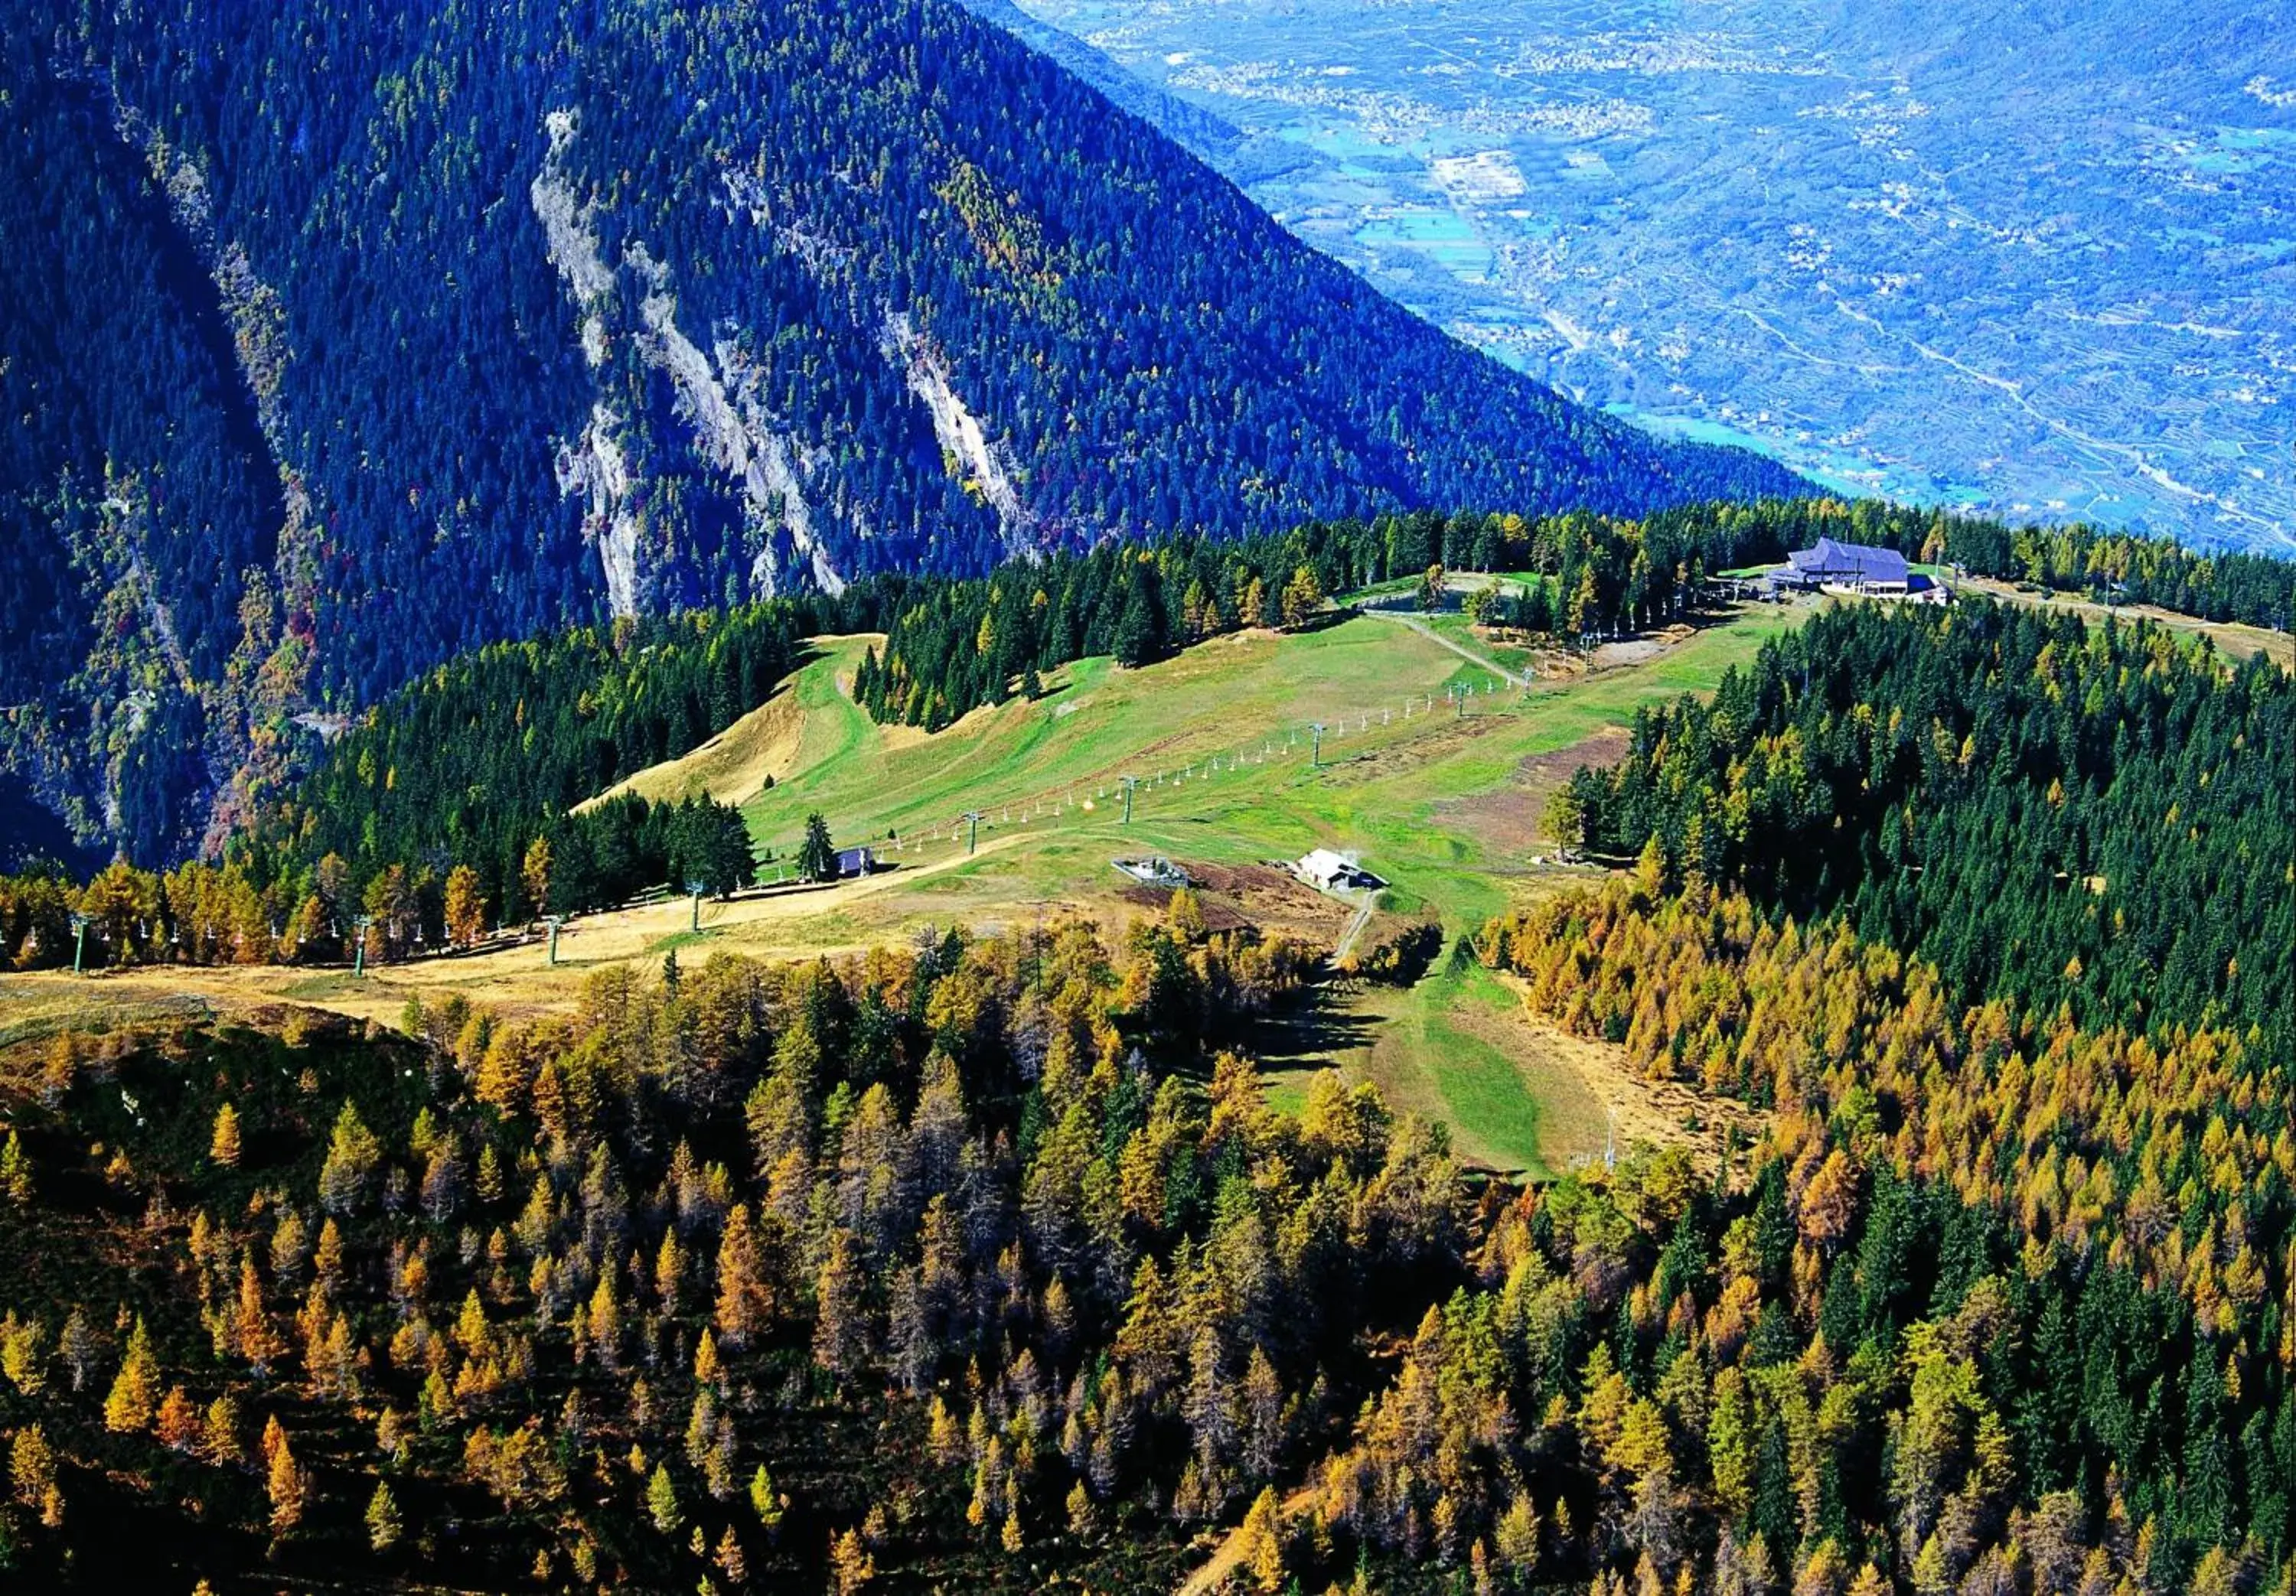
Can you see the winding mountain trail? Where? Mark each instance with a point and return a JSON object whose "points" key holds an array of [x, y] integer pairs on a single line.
{"points": [[1228, 1558], [1438, 640], [1355, 926]]}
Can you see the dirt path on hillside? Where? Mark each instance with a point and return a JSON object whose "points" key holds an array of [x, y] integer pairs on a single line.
{"points": [[1355, 926], [1616, 1105], [1228, 1559], [1460, 649], [513, 979]]}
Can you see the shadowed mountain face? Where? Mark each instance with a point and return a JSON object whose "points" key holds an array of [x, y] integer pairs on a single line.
{"points": [[2033, 260], [346, 339]]}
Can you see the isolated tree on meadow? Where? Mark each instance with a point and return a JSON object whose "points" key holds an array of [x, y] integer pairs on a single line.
{"points": [[1565, 819], [1183, 916]]}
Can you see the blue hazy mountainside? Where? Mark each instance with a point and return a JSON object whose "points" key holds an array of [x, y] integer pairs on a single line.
{"points": [[2038, 259], [339, 338]]}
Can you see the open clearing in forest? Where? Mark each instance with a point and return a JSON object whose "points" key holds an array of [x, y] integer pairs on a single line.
{"points": [[2235, 640], [732, 767], [1443, 806]]}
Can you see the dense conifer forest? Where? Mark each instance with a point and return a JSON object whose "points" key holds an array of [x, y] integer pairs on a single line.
{"points": [[456, 806], [1994, 912], [460, 804], [734, 1275], [2002, 1304], [422, 420], [2095, 819]]}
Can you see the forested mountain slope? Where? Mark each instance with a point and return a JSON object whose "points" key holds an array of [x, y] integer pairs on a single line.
{"points": [[351, 338], [1993, 911], [2090, 820], [464, 769]]}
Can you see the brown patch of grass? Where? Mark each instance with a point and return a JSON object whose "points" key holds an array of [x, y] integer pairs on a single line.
{"points": [[732, 767], [1157, 901], [1588, 1090], [1257, 896], [1507, 820]]}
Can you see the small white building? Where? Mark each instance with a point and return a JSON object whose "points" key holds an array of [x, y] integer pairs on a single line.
{"points": [[1328, 871]]}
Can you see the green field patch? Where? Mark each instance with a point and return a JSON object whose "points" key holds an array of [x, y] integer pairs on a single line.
{"points": [[1219, 739], [1413, 1046]]}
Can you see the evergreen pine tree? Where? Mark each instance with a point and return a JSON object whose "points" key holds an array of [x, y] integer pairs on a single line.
{"points": [[817, 855], [383, 1524], [222, 1144]]}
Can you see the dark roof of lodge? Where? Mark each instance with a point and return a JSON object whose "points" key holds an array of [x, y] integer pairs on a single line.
{"points": [[1852, 560]]}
